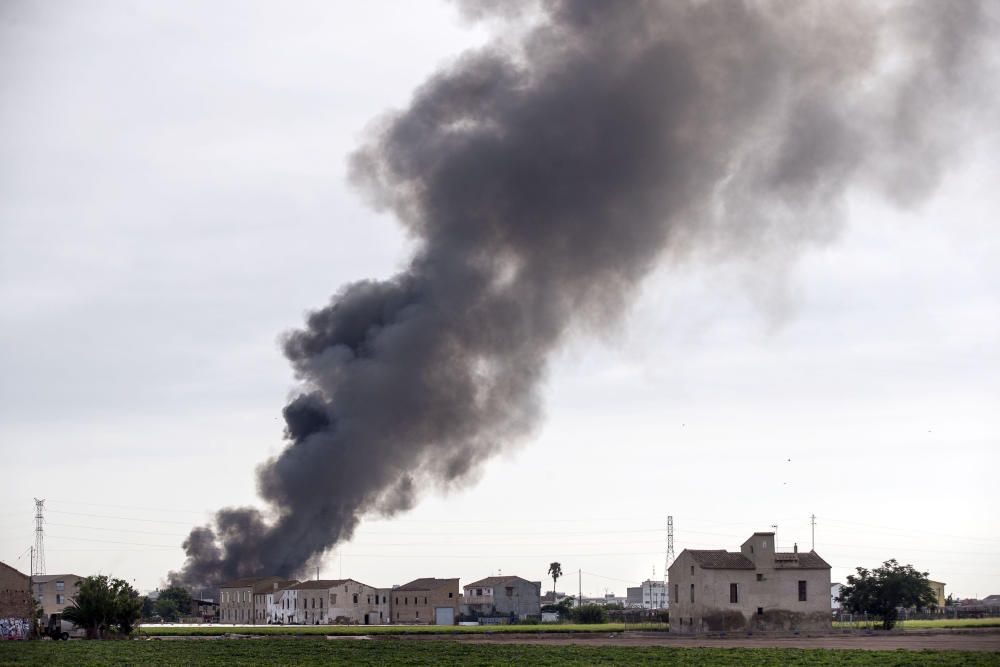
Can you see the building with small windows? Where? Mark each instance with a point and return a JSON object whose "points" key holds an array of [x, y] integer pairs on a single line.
{"points": [[426, 602], [649, 595], [756, 588], [280, 605], [502, 596], [244, 601], [54, 592], [341, 601]]}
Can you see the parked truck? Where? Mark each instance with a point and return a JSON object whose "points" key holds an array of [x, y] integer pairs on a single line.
{"points": [[59, 628]]}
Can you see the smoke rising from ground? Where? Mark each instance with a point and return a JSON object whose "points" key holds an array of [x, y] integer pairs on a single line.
{"points": [[543, 179]]}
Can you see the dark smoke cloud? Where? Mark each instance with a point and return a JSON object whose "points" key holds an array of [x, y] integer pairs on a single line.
{"points": [[543, 180]]}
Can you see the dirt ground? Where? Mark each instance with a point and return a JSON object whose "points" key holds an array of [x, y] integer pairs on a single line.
{"points": [[942, 640]]}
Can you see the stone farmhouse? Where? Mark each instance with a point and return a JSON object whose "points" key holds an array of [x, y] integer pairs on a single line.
{"points": [[502, 596], [426, 601], [245, 600], [754, 589], [342, 601], [280, 604]]}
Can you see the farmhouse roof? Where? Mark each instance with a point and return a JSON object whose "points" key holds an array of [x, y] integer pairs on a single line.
{"points": [[496, 581], [806, 560], [720, 559], [426, 584], [45, 578], [321, 584]]}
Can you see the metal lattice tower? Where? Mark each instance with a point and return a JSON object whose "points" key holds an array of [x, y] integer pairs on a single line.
{"points": [[670, 546], [38, 562]]}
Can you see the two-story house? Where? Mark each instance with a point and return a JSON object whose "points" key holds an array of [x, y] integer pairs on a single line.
{"points": [[243, 601], [426, 601], [54, 592], [755, 588], [340, 601], [503, 596]]}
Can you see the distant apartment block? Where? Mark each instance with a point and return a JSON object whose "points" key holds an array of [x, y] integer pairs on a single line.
{"points": [[649, 595], [54, 592]]}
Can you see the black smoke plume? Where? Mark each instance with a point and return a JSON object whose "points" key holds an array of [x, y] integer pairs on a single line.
{"points": [[543, 178]]}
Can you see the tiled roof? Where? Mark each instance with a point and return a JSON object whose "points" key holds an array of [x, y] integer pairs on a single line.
{"points": [[720, 559], [495, 581], [315, 584], [45, 578], [426, 584], [799, 560], [810, 560]]}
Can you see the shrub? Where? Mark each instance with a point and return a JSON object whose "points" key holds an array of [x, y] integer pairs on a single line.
{"points": [[590, 613]]}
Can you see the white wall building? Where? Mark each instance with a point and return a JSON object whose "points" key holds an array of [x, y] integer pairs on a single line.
{"points": [[649, 595]]}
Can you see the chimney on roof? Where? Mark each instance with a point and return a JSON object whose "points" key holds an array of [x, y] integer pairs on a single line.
{"points": [[795, 547]]}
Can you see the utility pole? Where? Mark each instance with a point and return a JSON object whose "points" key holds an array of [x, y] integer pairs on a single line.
{"points": [[38, 553], [579, 592], [813, 522]]}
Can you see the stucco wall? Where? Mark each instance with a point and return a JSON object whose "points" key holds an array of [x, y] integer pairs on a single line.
{"points": [[417, 607], [53, 597], [236, 605], [350, 602], [769, 604], [522, 599]]}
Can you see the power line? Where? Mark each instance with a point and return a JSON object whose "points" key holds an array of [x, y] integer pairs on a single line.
{"points": [[121, 518]]}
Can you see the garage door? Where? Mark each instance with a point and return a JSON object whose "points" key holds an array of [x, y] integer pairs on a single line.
{"points": [[444, 616]]}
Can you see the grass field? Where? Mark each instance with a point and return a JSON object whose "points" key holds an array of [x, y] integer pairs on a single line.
{"points": [[943, 623], [354, 630], [387, 652]]}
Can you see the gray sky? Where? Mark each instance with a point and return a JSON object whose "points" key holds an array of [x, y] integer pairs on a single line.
{"points": [[173, 198]]}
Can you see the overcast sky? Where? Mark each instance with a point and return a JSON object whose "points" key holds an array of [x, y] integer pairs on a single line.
{"points": [[173, 198]]}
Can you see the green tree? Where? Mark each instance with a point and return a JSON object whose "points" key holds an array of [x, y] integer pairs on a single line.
{"points": [[885, 589], [555, 571], [173, 603], [148, 609], [166, 609], [102, 605], [590, 614]]}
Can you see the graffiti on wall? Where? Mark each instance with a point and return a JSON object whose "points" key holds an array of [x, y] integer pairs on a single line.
{"points": [[15, 628]]}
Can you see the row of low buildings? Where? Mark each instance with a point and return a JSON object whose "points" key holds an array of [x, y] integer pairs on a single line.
{"points": [[263, 600], [755, 588]]}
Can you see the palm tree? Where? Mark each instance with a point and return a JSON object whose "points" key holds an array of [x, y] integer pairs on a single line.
{"points": [[555, 571]]}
